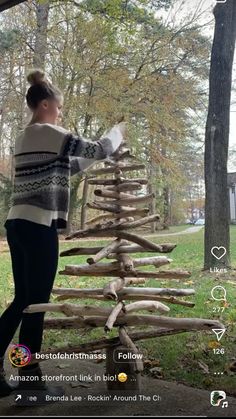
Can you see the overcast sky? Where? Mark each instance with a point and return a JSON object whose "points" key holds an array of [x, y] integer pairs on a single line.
{"points": [[183, 10]]}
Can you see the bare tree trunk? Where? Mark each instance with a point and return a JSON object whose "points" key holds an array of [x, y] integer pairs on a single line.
{"points": [[152, 204], [42, 10], [2, 117], [151, 187], [166, 207], [165, 195], [217, 135]]}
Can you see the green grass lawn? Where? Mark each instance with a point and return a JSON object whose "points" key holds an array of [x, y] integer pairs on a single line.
{"points": [[188, 358]]}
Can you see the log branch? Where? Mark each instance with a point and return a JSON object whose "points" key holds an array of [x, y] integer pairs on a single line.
{"points": [[135, 200], [126, 292], [110, 290], [112, 270], [127, 342], [105, 251], [146, 305], [113, 316], [104, 193], [123, 167], [170, 300], [134, 320], [140, 181], [128, 186]]}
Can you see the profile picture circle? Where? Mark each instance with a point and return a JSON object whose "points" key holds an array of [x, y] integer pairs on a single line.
{"points": [[19, 355]]}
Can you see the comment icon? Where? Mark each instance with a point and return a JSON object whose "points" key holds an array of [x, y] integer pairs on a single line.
{"points": [[218, 293]]}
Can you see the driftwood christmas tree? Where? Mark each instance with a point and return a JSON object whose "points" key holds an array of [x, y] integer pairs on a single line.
{"points": [[123, 211]]}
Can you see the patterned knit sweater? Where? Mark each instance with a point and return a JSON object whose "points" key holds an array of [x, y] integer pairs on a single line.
{"points": [[45, 157]]}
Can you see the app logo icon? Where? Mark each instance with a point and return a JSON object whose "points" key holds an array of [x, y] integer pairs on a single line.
{"points": [[218, 398], [19, 355]]}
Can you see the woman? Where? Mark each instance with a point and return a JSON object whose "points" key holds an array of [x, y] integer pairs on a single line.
{"points": [[46, 155]]}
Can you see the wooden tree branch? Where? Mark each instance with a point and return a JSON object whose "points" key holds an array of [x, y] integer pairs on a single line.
{"points": [[125, 293], [142, 221], [111, 269], [94, 231], [100, 217], [126, 341], [123, 167], [134, 320], [122, 249], [138, 211], [115, 223], [138, 249], [105, 251], [80, 251], [169, 300], [69, 309], [94, 269], [104, 193], [134, 200], [110, 290], [111, 232], [102, 181], [157, 261], [113, 227], [146, 305], [144, 292], [109, 207], [128, 186], [167, 247], [113, 316], [139, 240], [126, 262], [141, 181]]}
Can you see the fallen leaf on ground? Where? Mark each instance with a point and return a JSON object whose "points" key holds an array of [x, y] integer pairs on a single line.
{"points": [[213, 344]]}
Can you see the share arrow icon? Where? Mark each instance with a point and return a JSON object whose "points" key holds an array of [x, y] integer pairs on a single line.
{"points": [[219, 333]]}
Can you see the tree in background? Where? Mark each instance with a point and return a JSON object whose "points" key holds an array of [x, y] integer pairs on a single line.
{"points": [[217, 135], [112, 59]]}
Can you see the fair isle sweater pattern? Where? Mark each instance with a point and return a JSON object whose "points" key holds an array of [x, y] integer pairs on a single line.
{"points": [[41, 190]]}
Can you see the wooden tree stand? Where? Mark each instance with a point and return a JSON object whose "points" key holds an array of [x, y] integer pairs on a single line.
{"points": [[122, 211]]}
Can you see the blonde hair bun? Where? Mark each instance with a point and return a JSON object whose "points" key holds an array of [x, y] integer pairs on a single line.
{"points": [[36, 77]]}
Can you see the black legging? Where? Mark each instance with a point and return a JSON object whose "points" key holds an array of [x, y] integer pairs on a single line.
{"points": [[34, 257]]}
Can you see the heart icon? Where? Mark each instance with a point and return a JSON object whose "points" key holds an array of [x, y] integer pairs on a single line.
{"points": [[218, 252]]}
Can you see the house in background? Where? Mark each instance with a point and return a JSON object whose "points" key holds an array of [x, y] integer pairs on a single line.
{"points": [[231, 182]]}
